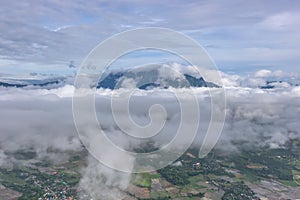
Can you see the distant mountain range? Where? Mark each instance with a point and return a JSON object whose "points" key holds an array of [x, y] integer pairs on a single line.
{"points": [[21, 85], [40, 82], [142, 78], [145, 78]]}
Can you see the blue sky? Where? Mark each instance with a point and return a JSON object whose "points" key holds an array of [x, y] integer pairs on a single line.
{"points": [[241, 36]]}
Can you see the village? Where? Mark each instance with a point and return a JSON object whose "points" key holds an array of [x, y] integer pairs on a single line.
{"points": [[247, 175]]}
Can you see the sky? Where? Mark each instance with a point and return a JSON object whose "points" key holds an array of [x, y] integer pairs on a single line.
{"points": [[240, 36]]}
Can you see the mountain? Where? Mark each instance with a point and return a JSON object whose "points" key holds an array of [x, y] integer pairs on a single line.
{"points": [[20, 85], [145, 78], [277, 84], [151, 77], [40, 82]]}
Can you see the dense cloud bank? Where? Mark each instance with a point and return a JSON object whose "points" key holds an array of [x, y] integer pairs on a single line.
{"points": [[41, 119]]}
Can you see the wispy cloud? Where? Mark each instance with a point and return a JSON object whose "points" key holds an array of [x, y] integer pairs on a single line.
{"points": [[237, 34]]}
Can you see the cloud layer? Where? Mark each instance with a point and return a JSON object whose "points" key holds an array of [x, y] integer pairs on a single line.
{"points": [[41, 119]]}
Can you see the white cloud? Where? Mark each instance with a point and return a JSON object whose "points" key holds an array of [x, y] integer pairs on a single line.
{"points": [[128, 83], [237, 32], [263, 73], [42, 119]]}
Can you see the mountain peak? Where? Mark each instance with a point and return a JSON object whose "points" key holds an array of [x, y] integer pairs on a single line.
{"points": [[152, 76]]}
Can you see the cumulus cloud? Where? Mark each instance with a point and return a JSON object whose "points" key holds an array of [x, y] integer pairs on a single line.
{"points": [[268, 73], [277, 78], [261, 118]]}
